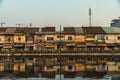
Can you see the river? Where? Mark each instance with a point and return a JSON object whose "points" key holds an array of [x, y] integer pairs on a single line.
{"points": [[57, 77]]}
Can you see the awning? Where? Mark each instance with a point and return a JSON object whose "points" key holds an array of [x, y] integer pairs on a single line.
{"points": [[110, 44], [70, 44], [80, 45], [29, 45], [30, 64], [18, 45], [1, 45], [90, 44], [7, 46], [101, 44], [118, 44], [106, 48], [40, 44], [1, 64], [50, 46], [80, 40]]}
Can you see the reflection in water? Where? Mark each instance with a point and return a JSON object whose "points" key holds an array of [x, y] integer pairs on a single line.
{"points": [[58, 78], [109, 76]]}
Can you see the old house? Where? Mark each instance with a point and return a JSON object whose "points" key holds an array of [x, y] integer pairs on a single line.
{"points": [[48, 37], [94, 38], [69, 38]]}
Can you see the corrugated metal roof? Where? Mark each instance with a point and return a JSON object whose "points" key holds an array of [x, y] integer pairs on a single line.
{"points": [[69, 30], [10, 31], [31, 30], [93, 30], [48, 29], [3, 29], [26, 30], [20, 30], [116, 29], [109, 30], [78, 30]]}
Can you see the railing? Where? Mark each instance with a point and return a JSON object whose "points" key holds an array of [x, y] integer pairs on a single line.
{"points": [[57, 54], [56, 51]]}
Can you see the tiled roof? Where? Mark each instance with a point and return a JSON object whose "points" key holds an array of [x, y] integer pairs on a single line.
{"points": [[20, 30], [31, 30], [79, 30], [69, 30], [10, 30], [3, 29], [27, 30], [48, 29], [93, 30]]}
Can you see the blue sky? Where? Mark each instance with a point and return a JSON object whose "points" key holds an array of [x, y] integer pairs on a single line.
{"points": [[58, 12]]}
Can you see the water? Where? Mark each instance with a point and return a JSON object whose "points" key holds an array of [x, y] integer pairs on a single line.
{"points": [[106, 77]]}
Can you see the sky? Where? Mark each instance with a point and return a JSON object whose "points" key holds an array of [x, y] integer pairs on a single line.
{"points": [[58, 12]]}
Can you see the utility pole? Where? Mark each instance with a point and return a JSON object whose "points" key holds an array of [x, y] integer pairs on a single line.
{"points": [[90, 13], [60, 56]]}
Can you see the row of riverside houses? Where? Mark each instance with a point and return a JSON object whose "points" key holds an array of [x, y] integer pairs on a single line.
{"points": [[72, 39]]}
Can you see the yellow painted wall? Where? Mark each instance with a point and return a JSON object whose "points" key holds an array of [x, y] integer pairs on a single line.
{"points": [[58, 39], [80, 67], [22, 67], [16, 67], [80, 38], [116, 38], [2, 37], [35, 38], [23, 39], [67, 35], [49, 35], [2, 68], [111, 38]]}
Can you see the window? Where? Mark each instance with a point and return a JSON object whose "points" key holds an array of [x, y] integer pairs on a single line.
{"points": [[49, 67], [106, 37], [50, 38], [30, 59], [19, 38], [69, 38], [100, 37], [118, 38], [29, 38], [59, 36], [90, 36], [39, 35], [9, 39], [17, 59]]}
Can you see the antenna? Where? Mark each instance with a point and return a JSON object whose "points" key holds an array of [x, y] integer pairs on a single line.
{"points": [[90, 13], [60, 56], [30, 24], [2, 23], [19, 25]]}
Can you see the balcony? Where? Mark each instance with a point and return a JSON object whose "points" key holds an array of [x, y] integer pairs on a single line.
{"points": [[101, 41], [70, 40], [29, 41]]}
